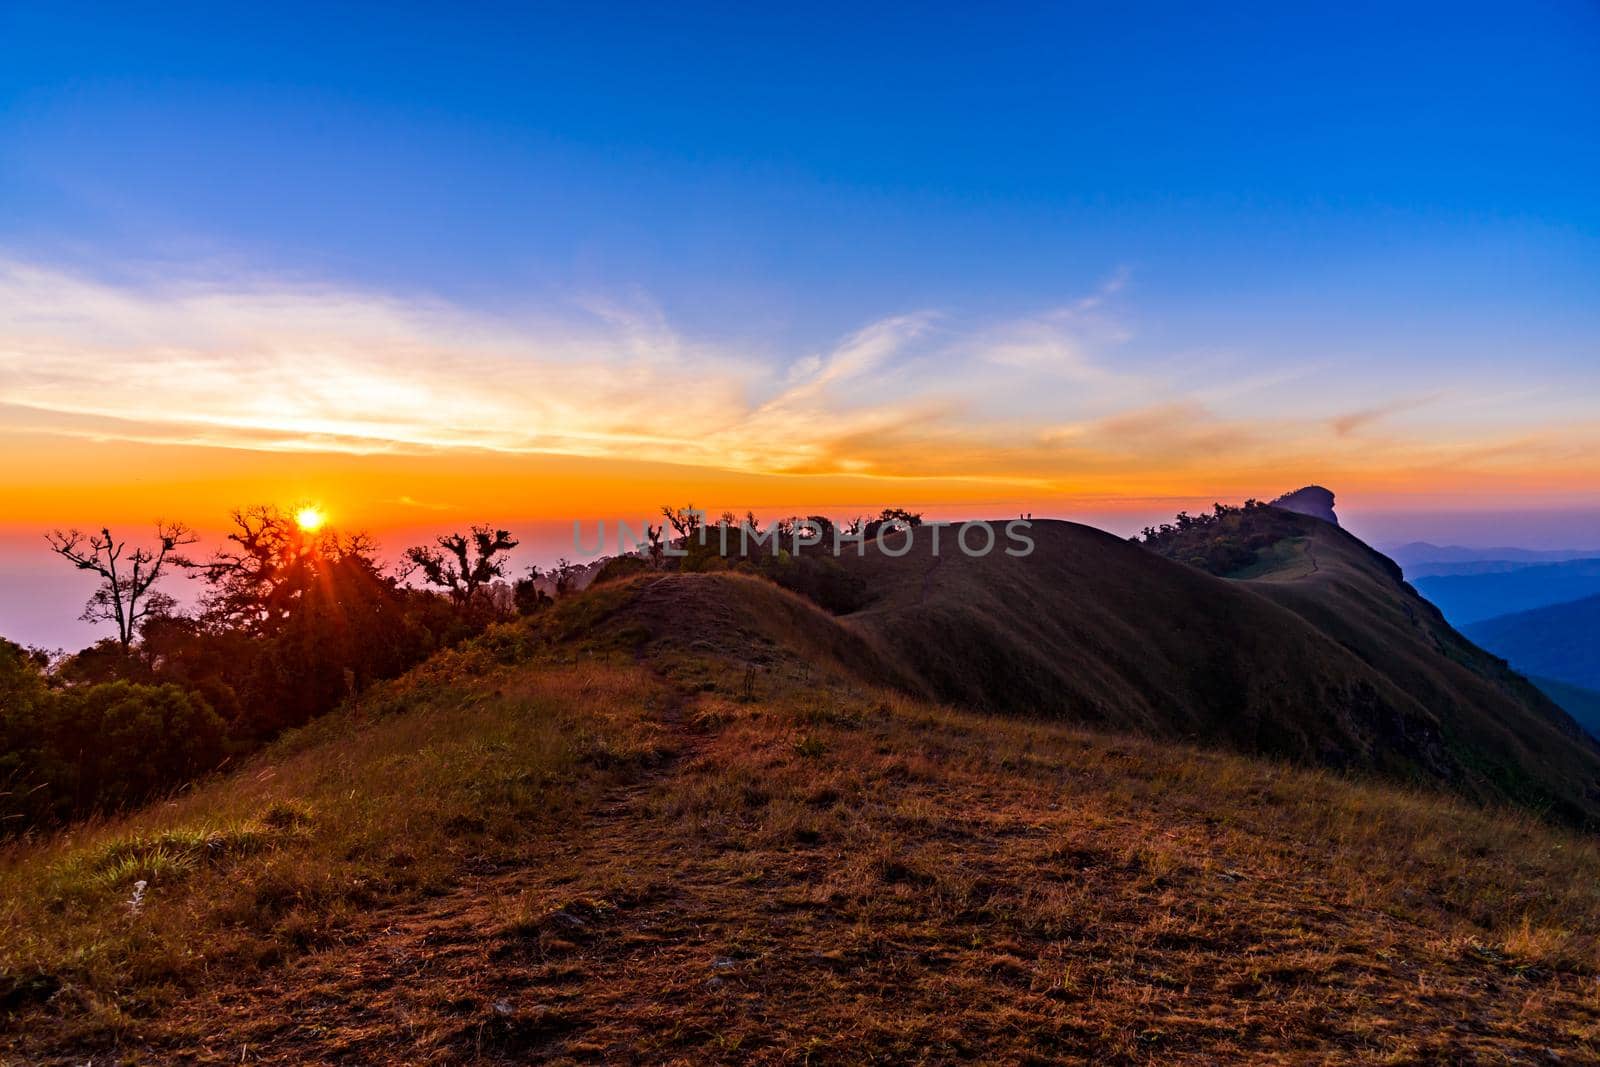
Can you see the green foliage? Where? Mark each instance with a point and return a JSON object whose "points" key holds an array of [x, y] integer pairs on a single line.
{"points": [[296, 622], [1224, 542], [809, 570], [95, 747], [463, 565], [620, 567], [293, 624], [331, 624]]}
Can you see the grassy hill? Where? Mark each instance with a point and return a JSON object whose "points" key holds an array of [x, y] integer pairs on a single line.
{"points": [[1553, 642], [993, 814], [671, 821], [1582, 704], [1322, 655]]}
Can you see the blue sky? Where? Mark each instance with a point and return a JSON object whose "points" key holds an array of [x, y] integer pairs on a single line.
{"points": [[1375, 218], [1078, 259], [787, 175]]}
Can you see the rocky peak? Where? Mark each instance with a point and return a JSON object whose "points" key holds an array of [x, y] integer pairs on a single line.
{"points": [[1313, 500]]}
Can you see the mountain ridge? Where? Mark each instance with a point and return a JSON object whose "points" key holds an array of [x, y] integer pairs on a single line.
{"points": [[1556, 641], [1323, 656], [1467, 599], [1414, 552], [691, 816]]}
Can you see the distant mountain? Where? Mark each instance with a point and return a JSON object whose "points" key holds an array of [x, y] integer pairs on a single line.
{"points": [[1477, 566], [1472, 598], [1313, 500], [1582, 704], [1416, 553], [1558, 642]]}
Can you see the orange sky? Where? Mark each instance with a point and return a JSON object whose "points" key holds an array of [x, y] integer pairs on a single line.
{"points": [[122, 403], [50, 480]]}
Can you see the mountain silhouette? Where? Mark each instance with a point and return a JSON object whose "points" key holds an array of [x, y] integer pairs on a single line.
{"points": [[1313, 500]]}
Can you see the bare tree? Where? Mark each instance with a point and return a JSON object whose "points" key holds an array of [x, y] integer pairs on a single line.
{"points": [[686, 522], [526, 594], [126, 595], [259, 573], [566, 575], [467, 562]]}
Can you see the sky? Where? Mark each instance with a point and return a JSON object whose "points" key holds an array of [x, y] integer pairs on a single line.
{"points": [[540, 263]]}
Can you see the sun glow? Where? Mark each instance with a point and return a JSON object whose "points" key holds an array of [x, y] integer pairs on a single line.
{"points": [[310, 519]]}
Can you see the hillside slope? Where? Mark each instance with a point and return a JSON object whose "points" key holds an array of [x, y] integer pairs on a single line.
{"points": [[1582, 704], [1559, 641], [1323, 656], [636, 830]]}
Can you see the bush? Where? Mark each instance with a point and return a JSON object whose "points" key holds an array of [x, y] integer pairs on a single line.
{"points": [[67, 753], [618, 568], [1225, 541]]}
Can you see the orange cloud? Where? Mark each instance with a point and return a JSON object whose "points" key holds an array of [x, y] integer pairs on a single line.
{"points": [[181, 397]]}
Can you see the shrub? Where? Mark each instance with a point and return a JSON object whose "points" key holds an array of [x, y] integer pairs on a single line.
{"points": [[65, 753]]}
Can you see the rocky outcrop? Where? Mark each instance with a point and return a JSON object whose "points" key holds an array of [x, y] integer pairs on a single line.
{"points": [[1313, 500]]}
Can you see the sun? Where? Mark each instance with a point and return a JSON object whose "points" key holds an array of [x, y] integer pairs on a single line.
{"points": [[310, 519]]}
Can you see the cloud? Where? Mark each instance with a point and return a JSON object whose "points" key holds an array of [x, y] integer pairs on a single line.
{"points": [[423, 505], [1063, 340], [863, 352], [1181, 433], [1348, 423], [294, 368], [288, 367], [1050, 401]]}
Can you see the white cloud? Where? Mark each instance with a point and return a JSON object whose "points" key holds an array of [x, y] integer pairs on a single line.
{"points": [[294, 367], [266, 365]]}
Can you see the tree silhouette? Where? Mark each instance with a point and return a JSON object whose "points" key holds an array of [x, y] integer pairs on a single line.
{"points": [[891, 519], [566, 575], [466, 563], [526, 595], [901, 516], [686, 522], [126, 595], [260, 573]]}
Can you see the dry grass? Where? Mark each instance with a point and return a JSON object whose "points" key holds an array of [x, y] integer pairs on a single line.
{"points": [[368, 808], [515, 869]]}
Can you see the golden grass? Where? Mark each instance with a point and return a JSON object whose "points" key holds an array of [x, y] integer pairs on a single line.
{"points": [[505, 862], [362, 809]]}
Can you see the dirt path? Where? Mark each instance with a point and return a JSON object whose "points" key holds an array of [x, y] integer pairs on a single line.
{"points": [[927, 579], [443, 980]]}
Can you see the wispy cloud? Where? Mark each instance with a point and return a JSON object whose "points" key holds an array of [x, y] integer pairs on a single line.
{"points": [[1048, 399], [424, 505], [1062, 340], [1350, 422]]}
